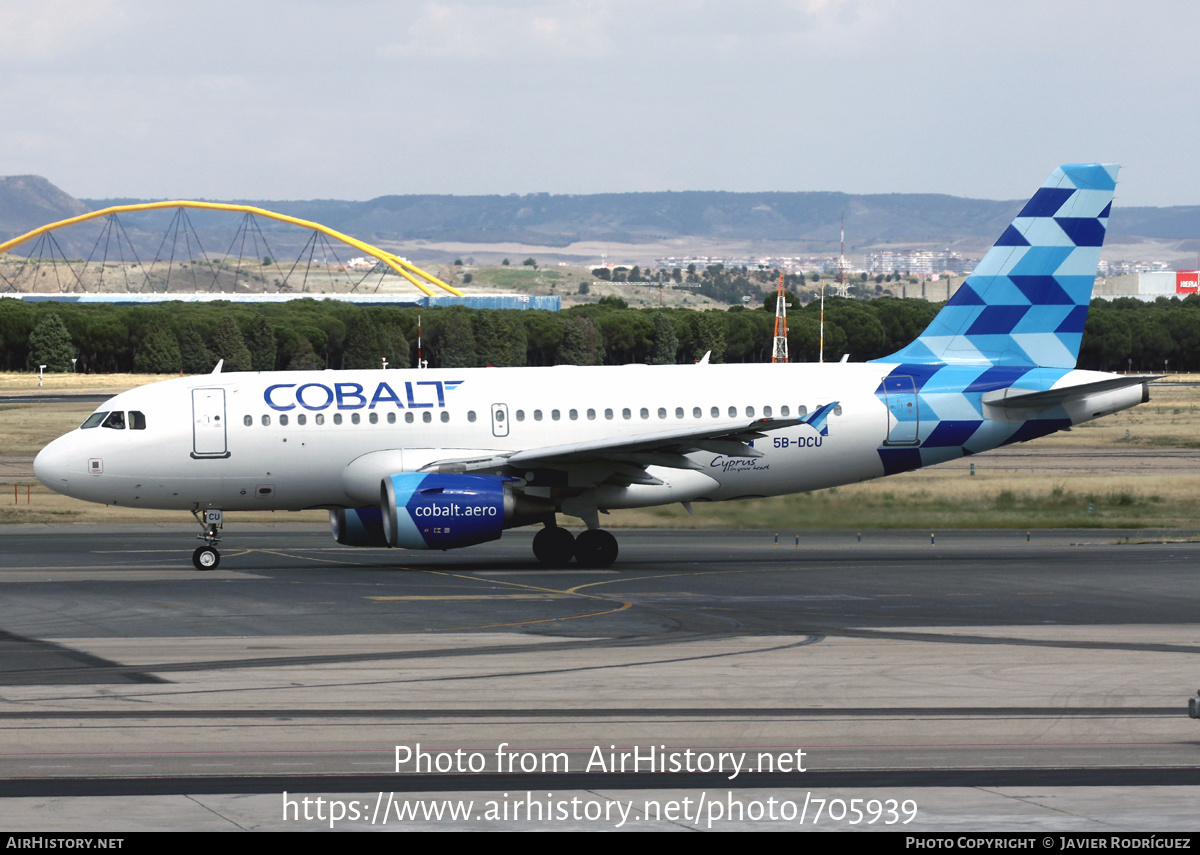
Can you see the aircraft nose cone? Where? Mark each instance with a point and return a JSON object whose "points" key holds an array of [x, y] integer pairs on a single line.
{"points": [[51, 464]]}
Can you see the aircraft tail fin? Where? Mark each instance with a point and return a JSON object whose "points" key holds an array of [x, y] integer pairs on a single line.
{"points": [[1027, 301]]}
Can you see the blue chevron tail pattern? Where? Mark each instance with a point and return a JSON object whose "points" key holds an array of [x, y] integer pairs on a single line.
{"points": [[1026, 303], [1018, 319]]}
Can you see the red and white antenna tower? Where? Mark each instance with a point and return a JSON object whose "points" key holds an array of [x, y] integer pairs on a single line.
{"points": [[780, 352]]}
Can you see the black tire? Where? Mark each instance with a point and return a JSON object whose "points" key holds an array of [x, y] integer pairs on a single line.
{"points": [[554, 546], [596, 548], [206, 558]]}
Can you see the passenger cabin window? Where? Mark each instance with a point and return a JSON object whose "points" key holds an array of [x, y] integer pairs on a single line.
{"points": [[248, 421], [115, 420], [93, 420], [283, 420]]}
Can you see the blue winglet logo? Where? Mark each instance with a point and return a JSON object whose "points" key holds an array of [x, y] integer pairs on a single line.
{"points": [[817, 418]]}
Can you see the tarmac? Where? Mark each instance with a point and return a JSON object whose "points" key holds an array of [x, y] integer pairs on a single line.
{"points": [[968, 681]]}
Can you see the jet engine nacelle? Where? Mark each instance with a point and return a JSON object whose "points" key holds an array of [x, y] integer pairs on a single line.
{"points": [[424, 510]]}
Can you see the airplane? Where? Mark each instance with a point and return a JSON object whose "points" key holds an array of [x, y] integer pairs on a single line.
{"points": [[447, 458]]}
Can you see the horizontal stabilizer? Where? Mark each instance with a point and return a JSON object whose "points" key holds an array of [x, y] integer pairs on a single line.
{"points": [[1097, 398]]}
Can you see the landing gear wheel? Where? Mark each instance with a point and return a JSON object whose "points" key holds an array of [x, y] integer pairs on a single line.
{"points": [[596, 548], [206, 558], [554, 546]]}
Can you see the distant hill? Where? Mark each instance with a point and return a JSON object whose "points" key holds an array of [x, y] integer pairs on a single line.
{"points": [[29, 201], [550, 220]]}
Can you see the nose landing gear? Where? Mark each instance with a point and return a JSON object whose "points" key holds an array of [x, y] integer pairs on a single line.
{"points": [[207, 557]]}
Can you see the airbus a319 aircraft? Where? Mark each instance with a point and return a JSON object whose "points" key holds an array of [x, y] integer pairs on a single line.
{"points": [[445, 458]]}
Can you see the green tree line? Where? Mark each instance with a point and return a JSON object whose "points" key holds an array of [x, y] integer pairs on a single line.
{"points": [[310, 334]]}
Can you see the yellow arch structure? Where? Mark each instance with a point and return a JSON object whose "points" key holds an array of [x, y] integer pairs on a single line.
{"points": [[408, 271]]}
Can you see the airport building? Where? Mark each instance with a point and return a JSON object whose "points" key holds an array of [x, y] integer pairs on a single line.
{"points": [[1148, 285]]}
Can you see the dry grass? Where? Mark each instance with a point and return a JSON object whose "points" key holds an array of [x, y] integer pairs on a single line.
{"points": [[1034, 496], [944, 498], [26, 428], [67, 384]]}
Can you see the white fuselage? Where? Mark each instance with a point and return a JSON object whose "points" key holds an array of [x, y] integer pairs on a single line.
{"points": [[266, 464], [323, 439]]}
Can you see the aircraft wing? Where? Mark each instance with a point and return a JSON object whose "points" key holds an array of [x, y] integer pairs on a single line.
{"points": [[627, 457]]}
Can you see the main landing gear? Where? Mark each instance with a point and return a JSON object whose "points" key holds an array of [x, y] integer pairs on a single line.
{"points": [[207, 557], [555, 547]]}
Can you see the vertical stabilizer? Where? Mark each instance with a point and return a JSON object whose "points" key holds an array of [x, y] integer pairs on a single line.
{"points": [[1027, 301]]}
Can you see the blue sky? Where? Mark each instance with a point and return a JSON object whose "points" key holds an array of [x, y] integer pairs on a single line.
{"points": [[359, 98]]}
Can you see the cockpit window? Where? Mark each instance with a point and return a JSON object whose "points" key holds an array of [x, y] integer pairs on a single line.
{"points": [[115, 420], [137, 420], [93, 420]]}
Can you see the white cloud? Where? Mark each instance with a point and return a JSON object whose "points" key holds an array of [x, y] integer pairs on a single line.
{"points": [[51, 29], [497, 30]]}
